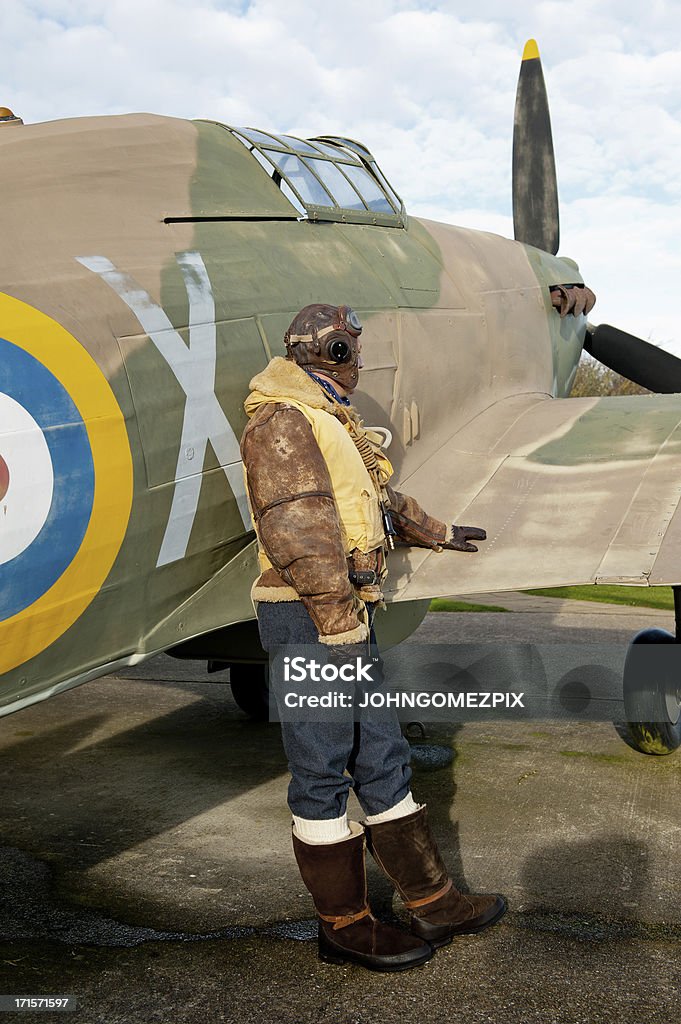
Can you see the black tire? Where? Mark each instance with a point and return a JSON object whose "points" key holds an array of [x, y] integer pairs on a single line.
{"points": [[250, 690], [652, 699]]}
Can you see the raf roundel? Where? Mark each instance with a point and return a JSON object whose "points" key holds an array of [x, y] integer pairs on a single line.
{"points": [[4, 478], [65, 481]]}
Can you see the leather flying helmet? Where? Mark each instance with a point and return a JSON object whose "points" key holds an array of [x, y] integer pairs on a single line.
{"points": [[325, 339]]}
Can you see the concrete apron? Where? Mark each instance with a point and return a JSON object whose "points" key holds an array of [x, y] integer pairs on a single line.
{"points": [[147, 807]]}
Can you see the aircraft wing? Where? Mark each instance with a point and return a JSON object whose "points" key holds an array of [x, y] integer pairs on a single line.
{"points": [[570, 491]]}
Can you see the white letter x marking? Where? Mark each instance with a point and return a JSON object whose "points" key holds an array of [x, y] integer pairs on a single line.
{"points": [[194, 366]]}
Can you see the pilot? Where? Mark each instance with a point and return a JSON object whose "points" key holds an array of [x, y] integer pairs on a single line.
{"points": [[324, 512], [8, 118]]}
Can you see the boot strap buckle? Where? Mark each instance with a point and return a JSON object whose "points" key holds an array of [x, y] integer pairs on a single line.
{"points": [[412, 904], [343, 920]]}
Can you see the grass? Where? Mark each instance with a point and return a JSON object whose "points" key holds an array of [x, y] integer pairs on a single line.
{"points": [[633, 597], [445, 604]]}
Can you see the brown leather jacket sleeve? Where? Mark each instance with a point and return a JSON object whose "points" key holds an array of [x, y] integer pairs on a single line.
{"points": [[413, 525], [297, 520]]}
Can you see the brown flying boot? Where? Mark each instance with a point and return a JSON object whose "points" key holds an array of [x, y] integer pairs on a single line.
{"points": [[406, 851], [335, 874]]}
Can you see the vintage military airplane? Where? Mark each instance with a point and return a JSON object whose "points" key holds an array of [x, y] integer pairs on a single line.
{"points": [[150, 266]]}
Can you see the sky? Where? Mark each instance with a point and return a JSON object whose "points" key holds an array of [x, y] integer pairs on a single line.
{"points": [[429, 87]]}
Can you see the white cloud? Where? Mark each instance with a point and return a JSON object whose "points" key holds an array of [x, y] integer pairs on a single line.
{"points": [[428, 86]]}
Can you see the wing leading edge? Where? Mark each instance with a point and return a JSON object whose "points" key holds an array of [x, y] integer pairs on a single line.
{"points": [[570, 491]]}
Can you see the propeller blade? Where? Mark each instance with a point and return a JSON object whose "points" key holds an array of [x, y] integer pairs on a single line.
{"points": [[535, 189], [635, 359]]}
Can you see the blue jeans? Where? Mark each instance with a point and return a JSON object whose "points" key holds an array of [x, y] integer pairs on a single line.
{"points": [[374, 752]]}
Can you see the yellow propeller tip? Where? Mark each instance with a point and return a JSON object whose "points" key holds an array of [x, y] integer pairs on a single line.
{"points": [[531, 51]]}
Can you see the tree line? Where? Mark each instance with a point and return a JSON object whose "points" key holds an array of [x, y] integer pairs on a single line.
{"points": [[593, 379]]}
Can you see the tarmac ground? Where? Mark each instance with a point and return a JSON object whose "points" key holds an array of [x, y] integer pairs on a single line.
{"points": [[146, 867]]}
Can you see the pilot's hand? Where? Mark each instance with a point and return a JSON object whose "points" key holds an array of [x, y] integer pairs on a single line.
{"points": [[460, 537]]}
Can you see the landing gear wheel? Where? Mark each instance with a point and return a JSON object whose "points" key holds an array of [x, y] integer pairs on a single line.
{"points": [[249, 689], [652, 700]]}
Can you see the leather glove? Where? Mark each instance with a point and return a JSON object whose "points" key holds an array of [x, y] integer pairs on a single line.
{"points": [[572, 298], [347, 654], [461, 536], [340, 654]]}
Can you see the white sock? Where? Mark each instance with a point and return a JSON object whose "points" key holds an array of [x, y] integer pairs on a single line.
{"points": [[406, 806], [319, 831]]}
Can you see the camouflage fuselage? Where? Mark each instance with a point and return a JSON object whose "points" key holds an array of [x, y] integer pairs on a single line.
{"points": [[165, 252]]}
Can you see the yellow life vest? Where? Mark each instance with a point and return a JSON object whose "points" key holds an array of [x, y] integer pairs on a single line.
{"points": [[354, 491]]}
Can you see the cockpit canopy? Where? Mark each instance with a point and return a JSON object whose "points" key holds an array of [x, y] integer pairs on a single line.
{"points": [[326, 178]]}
